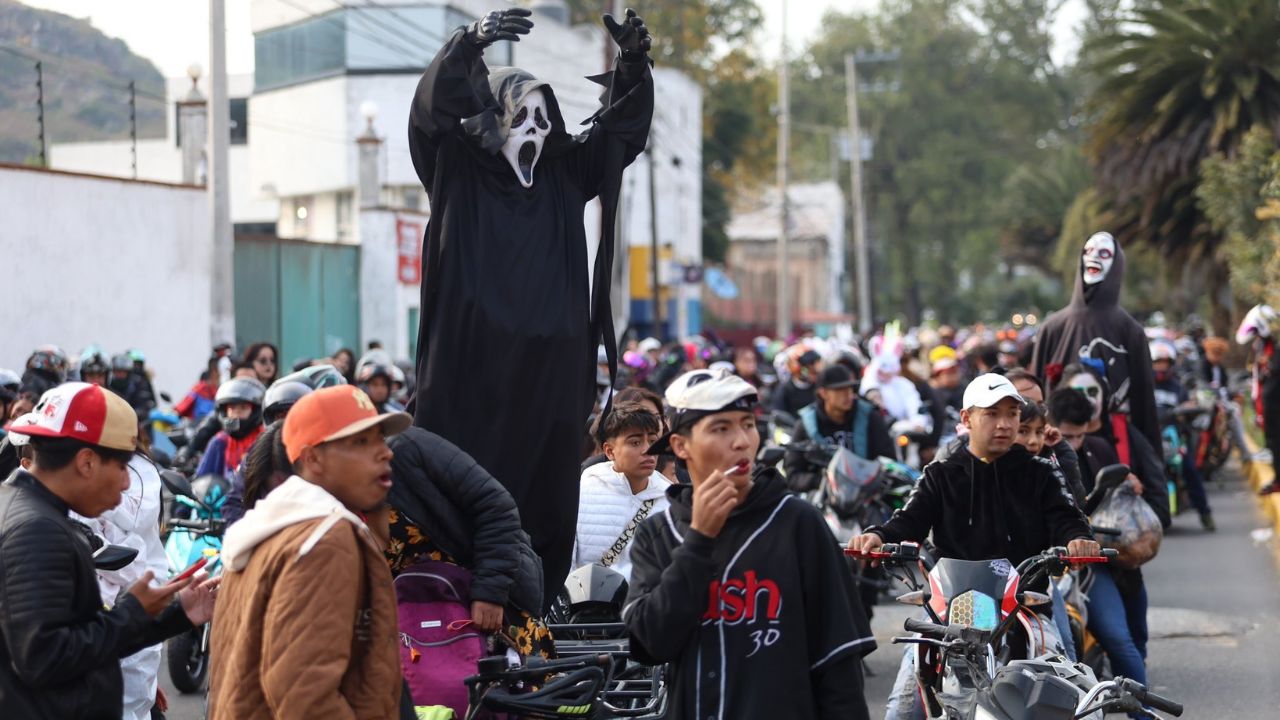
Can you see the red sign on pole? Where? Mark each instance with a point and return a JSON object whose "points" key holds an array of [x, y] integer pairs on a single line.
{"points": [[409, 249]]}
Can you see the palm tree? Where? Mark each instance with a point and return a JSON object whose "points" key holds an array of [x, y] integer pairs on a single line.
{"points": [[1180, 80]]}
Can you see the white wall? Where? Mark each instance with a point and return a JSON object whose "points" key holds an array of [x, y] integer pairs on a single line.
{"points": [[114, 262], [385, 300]]}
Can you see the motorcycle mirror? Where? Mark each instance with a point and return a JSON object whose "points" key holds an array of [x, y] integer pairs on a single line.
{"points": [[178, 484], [915, 597], [113, 557], [165, 397], [1111, 476], [772, 455], [1029, 598]]}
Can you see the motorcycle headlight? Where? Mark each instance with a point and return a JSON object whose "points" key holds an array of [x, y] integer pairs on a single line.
{"points": [[974, 609]]}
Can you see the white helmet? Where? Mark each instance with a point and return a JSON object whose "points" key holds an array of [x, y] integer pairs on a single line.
{"points": [[1256, 323], [1163, 350]]}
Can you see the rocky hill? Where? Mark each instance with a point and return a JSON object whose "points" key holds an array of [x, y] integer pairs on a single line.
{"points": [[86, 77]]}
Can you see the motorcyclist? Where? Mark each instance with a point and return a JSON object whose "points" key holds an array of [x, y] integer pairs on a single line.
{"points": [[1255, 330], [375, 379], [46, 369], [838, 416], [129, 384], [1170, 395], [240, 412], [899, 397], [279, 399], [992, 500], [92, 366], [798, 391]]}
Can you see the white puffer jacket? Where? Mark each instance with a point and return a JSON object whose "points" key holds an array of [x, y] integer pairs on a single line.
{"points": [[605, 509]]}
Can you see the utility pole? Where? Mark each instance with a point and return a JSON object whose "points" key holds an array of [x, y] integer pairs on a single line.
{"points": [[784, 214], [859, 212], [653, 243], [133, 127], [222, 290], [44, 151]]}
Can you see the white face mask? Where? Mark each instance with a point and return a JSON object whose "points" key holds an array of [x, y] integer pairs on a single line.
{"points": [[1099, 253], [529, 129], [1092, 389]]}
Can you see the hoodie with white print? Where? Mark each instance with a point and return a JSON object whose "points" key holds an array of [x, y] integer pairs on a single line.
{"points": [[606, 507]]}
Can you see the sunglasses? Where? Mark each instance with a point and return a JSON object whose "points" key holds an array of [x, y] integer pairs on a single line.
{"points": [[1090, 391]]}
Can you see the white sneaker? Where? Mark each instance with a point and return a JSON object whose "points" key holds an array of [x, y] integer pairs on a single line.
{"points": [[1262, 456]]}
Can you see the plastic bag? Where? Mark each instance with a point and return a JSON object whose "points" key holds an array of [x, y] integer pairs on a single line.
{"points": [[1139, 526]]}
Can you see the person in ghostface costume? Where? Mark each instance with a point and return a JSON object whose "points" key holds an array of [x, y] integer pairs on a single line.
{"points": [[1094, 329], [515, 298]]}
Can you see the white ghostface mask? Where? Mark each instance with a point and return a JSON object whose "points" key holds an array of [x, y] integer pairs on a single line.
{"points": [[529, 129], [1092, 389], [1099, 253]]}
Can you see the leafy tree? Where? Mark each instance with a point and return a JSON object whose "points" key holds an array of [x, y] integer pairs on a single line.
{"points": [[1240, 196], [1179, 81]]}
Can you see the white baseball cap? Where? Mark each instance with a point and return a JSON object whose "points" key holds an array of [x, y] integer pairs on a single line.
{"points": [[699, 393], [649, 344], [987, 390]]}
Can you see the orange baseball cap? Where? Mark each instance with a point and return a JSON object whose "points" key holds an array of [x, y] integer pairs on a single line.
{"points": [[334, 413]]}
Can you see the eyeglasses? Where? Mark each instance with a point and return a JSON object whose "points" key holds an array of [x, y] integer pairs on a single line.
{"points": [[1090, 391]]}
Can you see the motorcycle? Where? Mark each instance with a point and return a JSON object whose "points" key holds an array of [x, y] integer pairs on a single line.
{"points": [[190, 541], [854, 493], [586, 620], [982, 654]]}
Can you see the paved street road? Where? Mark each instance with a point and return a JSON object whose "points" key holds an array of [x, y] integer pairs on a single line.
{"points": [[1215, 603]]}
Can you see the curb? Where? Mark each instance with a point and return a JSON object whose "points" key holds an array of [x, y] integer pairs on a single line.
{"points": [[1259, 474]]}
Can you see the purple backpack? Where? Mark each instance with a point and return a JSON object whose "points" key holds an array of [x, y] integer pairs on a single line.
{"points": [[438, 645]]}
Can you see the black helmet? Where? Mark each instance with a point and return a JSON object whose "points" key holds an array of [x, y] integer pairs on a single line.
{"points": [[93, 363], [315, 377], [280, 397], [369, 371], [50, 360], [240, 390]]}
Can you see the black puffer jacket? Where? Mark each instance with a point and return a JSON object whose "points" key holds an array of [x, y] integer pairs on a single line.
{"points": [[59, 650], [468, 514]]}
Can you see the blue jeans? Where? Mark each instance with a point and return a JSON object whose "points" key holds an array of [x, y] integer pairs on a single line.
{"points": [[1063, 621], [1119, 621]]}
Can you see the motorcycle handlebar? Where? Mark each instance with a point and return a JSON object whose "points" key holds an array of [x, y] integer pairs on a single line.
{"points": [[900, 552], [1146, 697], [924, 627], [189, 524]]}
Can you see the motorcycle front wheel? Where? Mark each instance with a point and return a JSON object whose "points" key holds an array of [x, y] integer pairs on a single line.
{"points": [[188, 663]]}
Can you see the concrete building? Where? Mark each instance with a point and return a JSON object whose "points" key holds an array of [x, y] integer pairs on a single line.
{"points": [[817, 259], [126, 265], [326, 73]]}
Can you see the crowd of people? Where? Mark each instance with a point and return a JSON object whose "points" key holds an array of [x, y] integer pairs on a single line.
{"points": [[327, 477]]}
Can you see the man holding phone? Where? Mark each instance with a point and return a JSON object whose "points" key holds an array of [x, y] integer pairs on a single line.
{"points": [[60, 650]]}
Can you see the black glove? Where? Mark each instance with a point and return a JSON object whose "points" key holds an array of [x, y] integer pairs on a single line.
{"points": [[507, 24], [631, 35]]}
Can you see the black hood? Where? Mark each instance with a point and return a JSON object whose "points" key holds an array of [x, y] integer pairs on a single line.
{"points": [[509, 87], [1105, 294]]}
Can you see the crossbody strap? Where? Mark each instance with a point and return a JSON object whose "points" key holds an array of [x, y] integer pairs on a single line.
{"points": [[621, 543]]}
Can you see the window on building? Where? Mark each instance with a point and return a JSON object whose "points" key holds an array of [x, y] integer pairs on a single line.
{"points": [[412, 199], [344, 219], [306, 50]]}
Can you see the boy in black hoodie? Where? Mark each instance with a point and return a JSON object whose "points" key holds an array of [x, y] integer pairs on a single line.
{"points": [[739, 585], [991, 500]]}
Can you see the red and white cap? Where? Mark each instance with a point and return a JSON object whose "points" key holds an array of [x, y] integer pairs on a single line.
{"points": [[84, 412]]}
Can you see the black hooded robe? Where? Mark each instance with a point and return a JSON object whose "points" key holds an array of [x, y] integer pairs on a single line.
{"points": [[509, 328], [1093, 325]]}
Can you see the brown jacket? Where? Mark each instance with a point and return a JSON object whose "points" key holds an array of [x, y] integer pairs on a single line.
{"points": [[307, 636]]}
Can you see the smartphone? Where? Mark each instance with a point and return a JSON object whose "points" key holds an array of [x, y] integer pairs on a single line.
{"points": [[192, 570]]}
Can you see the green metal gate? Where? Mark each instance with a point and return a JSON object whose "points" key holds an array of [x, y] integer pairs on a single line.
{"points": [[302, 296]]}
